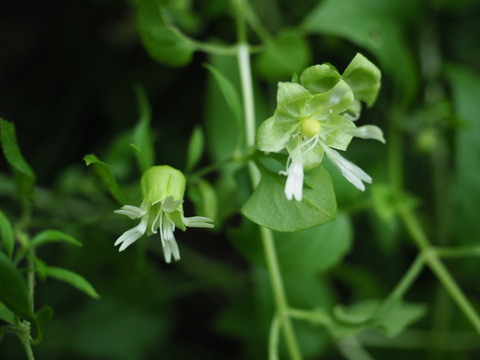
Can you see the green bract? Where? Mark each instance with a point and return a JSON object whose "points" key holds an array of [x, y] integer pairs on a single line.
{"points": [[316, 116]]}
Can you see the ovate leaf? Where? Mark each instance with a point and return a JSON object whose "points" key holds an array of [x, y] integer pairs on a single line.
{"points": [[316, 249], [105, 172], [162, 40], [269, 207], [24, 175], [49, 236], [6, 234], [73, 279]]}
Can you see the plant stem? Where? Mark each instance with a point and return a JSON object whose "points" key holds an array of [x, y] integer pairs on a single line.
{"points": [[267, 235], [438, 268]]}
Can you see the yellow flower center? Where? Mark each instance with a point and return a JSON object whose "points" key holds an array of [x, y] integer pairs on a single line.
{"points": [[310, 127]]}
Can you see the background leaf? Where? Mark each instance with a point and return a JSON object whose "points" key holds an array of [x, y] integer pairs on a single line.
{"points": [[50, 236], [6, 234], [105, 172], [195, 150], [73, 279], [142, 133], [161, 40], [24, 175]]}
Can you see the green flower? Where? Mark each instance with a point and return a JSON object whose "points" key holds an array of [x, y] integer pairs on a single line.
{"points": [[163, 188], [316, 116]]}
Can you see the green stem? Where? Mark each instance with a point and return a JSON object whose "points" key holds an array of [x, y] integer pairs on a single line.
{"points": [[267, 235], [438, 268], [24, 337]]}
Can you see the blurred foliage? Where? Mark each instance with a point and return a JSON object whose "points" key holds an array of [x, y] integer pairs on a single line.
{"points": [[70, 85]]}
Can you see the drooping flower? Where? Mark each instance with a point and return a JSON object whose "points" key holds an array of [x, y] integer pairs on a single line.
{"points": [[316, 116], [163, 188]]}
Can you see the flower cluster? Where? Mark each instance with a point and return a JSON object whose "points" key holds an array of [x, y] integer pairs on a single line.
{"points": [[163, 188], [316, 115]]}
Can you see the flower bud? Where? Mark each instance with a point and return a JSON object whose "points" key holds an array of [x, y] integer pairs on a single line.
{"points": [[160, 182]]}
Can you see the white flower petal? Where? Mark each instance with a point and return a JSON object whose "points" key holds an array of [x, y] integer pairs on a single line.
{"points": [[198, 222], [132, 235], [367, 132], [294, 183], [133, 212], [171, 248], [352, 172]]}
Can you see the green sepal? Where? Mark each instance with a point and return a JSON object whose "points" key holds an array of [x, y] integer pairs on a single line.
{"points": [[269, 207], [320, 78], [364, 79], [176, 217], [335, 101], [272, 136], [292, 97], [339, 138], [6, 234], [24, 175], [287, 53], [162, 40]]}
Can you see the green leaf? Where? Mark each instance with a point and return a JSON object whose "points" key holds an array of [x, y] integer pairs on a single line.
{"points": [[50, 236], [6, 234], [363, 77], [400, 317], [229, 92], [269, 207], [316, 249], [73, 279], [105, 172], [204, 196], [13, 290], [24, 175], [142, 133], [162, 40], [286, 54], [195, 149]]}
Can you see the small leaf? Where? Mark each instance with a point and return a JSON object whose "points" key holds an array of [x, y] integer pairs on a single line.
{"points": [[13, 290], [105, 172], [24, 175], [196, 146], [229, 92], [395, 321], [162, 40], [50, 236], [6, 234], [142, 133], [285, 55], [6, 315], [269, 207], [42, 317], [363, 77], [316, 249], [204, 196], [73, 279]]}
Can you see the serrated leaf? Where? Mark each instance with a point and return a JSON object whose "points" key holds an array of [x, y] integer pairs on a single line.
{"points": [[50, 236], [315, 250], [363, 77], [6, 234], [142, 133], [73, 279], [195, 149], [269, 207], [286, 54], [105, 172], [24, 175], [162, 40]]}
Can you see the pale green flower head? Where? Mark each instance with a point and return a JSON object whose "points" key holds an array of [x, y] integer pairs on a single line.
{"points": [[162, 188], [316, 115]]}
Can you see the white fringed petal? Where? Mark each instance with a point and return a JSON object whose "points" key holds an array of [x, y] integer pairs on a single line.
{"points": [[367, 132]]}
